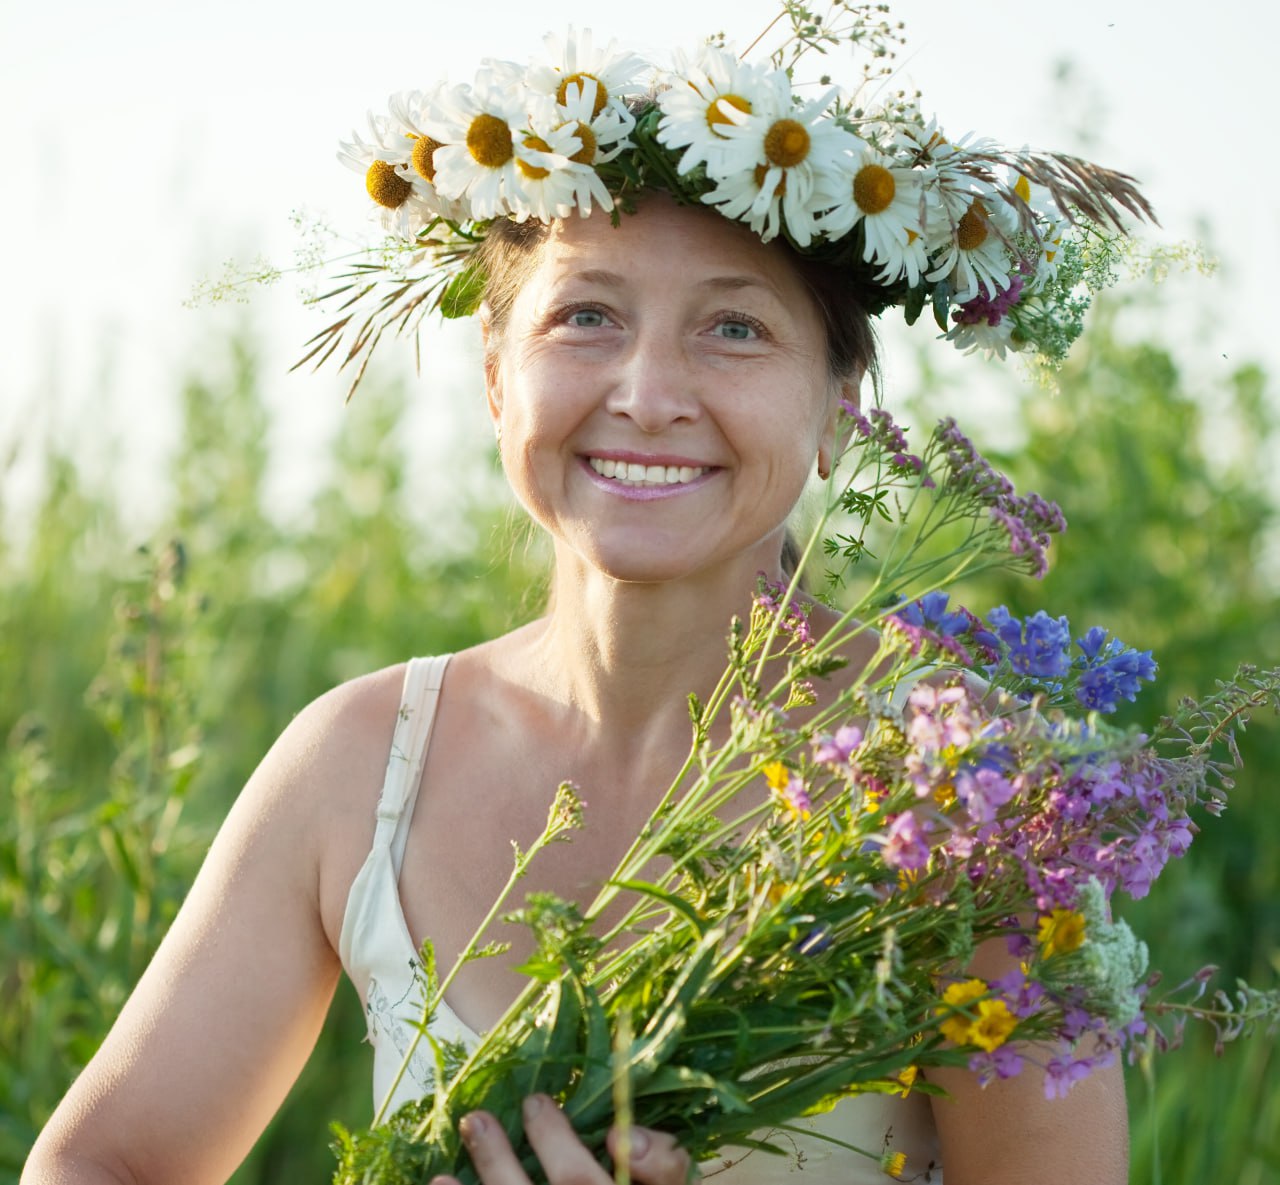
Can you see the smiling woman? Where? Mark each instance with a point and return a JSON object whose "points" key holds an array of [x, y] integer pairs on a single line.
{"points": [[658, 428], [663, 383]]}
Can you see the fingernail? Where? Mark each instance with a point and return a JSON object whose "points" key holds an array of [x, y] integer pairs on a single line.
{"points": [[532, 1105], [471, 1127], [639, 1143]]}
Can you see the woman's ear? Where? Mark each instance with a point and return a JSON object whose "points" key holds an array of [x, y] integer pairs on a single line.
{"points": [[492, 371], [835, 430]]}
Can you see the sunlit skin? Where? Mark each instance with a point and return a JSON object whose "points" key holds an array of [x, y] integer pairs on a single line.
{"points": [[677, 339]]}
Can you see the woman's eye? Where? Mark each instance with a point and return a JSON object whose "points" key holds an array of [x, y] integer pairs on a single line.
{"points": [[586, 318], [735, 329]]}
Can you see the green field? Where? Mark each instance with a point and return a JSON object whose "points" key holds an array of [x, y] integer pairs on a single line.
{"points": [[141, 680]]}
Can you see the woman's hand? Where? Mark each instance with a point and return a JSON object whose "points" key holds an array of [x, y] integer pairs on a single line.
{"points": [[655, 1158]]}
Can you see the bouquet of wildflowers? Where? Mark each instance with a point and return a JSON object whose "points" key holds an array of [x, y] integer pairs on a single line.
{"points": [[811, 942]]}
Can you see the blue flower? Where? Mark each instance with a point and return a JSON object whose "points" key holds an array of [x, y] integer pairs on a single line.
{"points": [[1112, 671], [1039, 648], [930, 612]]}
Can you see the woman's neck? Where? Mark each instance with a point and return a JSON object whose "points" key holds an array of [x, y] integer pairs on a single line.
{"points": [[626, 655]]}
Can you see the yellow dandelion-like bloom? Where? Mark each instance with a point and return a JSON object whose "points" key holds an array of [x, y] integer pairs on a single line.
{"points": [[907, 1078], [777, 775], [1061, 932], [893, 1164], [992, 1028], [956, 1026]]}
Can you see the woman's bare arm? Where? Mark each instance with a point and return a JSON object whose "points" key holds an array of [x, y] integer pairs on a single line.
{"points": [[1008, 1133], [219, 1026]]}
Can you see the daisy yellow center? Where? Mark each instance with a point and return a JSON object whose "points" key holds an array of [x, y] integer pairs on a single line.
{"points": [[580, 81], [489, 141], [715, 110], [762, 171], [587, 153], [873, 189], [1022, 187], [972, 231], [534, 172], [786, 143], [386, 186], [423, 149], [994, 1024]]}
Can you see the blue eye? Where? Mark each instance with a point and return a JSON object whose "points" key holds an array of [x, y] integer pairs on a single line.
{"points": [[736, 329], [586, 318]]}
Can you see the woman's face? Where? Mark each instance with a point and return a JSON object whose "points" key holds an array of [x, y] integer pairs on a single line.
{"points": [[661, 392]]}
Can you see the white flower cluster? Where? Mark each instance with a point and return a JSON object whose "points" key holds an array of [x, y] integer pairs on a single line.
{"points": [[911, 211], [517, 142]]}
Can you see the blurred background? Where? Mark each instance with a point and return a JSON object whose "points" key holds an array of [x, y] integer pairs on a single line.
{"points": [[194, 541]]}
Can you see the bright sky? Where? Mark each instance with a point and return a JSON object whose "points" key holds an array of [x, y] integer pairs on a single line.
{"points": [[149, 141]]}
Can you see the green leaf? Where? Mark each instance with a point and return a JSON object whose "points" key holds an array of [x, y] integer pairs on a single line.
{"points": [[464, 292], [941, 304], [913, 306], [678, 904]]}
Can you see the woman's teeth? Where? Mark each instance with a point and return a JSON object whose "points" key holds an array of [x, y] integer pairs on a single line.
{"points": [[631, 474]]}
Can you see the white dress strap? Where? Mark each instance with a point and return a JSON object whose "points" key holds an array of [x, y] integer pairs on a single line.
{"points": [[422, 680]]}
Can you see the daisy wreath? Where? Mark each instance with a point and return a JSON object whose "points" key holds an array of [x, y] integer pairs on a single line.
{"points": [[1004, 246]]}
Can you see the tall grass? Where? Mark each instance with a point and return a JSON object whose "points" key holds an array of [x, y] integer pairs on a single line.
{"points": [[142, 679]]}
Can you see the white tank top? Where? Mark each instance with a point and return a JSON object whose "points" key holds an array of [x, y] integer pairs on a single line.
{"points": [[381, 958]]}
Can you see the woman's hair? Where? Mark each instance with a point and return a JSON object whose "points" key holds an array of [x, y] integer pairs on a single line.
{"points": [[509, 254]]}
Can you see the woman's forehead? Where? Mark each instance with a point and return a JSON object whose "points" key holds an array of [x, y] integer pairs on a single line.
{"points": [[693, 247]]}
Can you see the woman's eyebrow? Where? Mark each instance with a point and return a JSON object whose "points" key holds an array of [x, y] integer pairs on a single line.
{"points": [[726, 283]]}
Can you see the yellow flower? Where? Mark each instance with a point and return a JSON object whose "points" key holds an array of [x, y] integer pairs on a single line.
{"points": [[893, 1164], [1061, 932], [908, 1078], [956, 1027], [992, 1028], [944, 795], [777, 775]]}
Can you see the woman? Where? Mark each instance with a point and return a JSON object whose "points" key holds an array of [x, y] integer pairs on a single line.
{"points": [[662, 391]]}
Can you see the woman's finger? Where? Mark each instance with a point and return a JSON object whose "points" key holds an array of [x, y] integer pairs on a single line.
{"points": [[655, 1158], [564, 1158], [490, 1150]]}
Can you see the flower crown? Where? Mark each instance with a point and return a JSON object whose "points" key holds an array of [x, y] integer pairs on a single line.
{"points": [[1004, 246]]}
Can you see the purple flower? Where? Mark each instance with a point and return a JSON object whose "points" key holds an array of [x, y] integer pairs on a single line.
{"points": [[1002, 1062], [989, 309], [905, 845], [1062, 1073], [983, 791], [836, 750]]}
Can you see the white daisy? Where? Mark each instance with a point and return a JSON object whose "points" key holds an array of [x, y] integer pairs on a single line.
{"points": [[409, 113], [603, 131], [401, 206], [993, 340], [477, 129], [575, 62], [801, 165], [704, 98], [1050, 225], [972, 251], [885, 197], [550, 182]]}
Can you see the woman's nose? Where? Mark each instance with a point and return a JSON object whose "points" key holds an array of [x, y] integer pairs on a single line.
{"points": [[655, 386]]}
